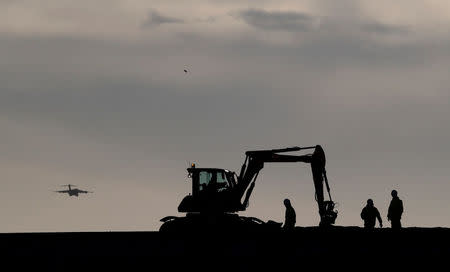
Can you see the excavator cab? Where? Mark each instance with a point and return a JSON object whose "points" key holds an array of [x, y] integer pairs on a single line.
{"points": [[210, 180], [211, 190]]}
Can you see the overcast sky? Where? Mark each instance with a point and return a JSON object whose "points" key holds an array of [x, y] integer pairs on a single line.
{"points": [[94, 94]]}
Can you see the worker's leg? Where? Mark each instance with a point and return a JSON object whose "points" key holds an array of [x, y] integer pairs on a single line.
{"points": [[395, 223]]}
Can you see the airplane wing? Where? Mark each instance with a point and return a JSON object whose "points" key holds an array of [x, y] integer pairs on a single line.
{"points": [[63, 191], [84, 192]]}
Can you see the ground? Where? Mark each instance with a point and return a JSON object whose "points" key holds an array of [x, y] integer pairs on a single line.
{"points": [[263, 249]]}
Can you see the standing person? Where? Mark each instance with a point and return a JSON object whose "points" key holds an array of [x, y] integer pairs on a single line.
{"points": [[290, 217], [369, 214], [395, 211]]}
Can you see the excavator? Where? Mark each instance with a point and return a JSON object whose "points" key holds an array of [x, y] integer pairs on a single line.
{"points": [[219, 194]]}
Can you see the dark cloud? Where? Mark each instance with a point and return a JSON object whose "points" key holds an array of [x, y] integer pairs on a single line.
{"points": [[155, 18], [209, 19], [300, 22], [277, 20], [380, 28]]}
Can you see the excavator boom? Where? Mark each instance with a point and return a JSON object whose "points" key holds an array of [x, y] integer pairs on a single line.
{"points": [[255, 160]]}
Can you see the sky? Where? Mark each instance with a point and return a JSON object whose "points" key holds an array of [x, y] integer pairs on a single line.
{"points": [[94, 94]]}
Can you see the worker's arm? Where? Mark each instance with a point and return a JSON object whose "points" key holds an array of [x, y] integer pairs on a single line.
{"points": [[363, 214], [401, 207], [379, 219], [389, 211]]}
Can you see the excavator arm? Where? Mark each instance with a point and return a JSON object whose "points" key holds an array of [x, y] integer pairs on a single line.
{"points": [[255, 160]]}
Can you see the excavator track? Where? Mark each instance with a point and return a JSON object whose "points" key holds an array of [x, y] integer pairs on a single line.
{"points": [[215, 223]]}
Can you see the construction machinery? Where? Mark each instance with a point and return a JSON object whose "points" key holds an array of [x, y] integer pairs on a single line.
{"points": [[218, 194]]}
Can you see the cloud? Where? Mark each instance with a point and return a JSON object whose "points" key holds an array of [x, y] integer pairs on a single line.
{"points": [[209, 19], [278, 20], [301, 22], [380, 28], [155, 18]]}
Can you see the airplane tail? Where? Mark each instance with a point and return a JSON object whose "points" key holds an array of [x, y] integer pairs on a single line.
{"points": [[68, 185]]}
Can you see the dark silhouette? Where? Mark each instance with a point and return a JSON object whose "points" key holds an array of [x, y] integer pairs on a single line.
{"points": [[369, 214], [395, 211], [211, 186], [236, 188], [275, 250], [185, 71], [72, 191], [290, 217]]}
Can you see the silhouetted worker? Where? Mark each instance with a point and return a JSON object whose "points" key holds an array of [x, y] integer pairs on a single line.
{"points": [[211, 186], [369, 214], [395, 211], [290, 217]]}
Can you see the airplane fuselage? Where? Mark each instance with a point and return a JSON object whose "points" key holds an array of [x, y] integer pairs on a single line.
{"points": [[73, 193]]}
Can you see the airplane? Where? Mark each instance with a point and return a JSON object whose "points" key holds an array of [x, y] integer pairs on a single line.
{"points": [[73, 191]]}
